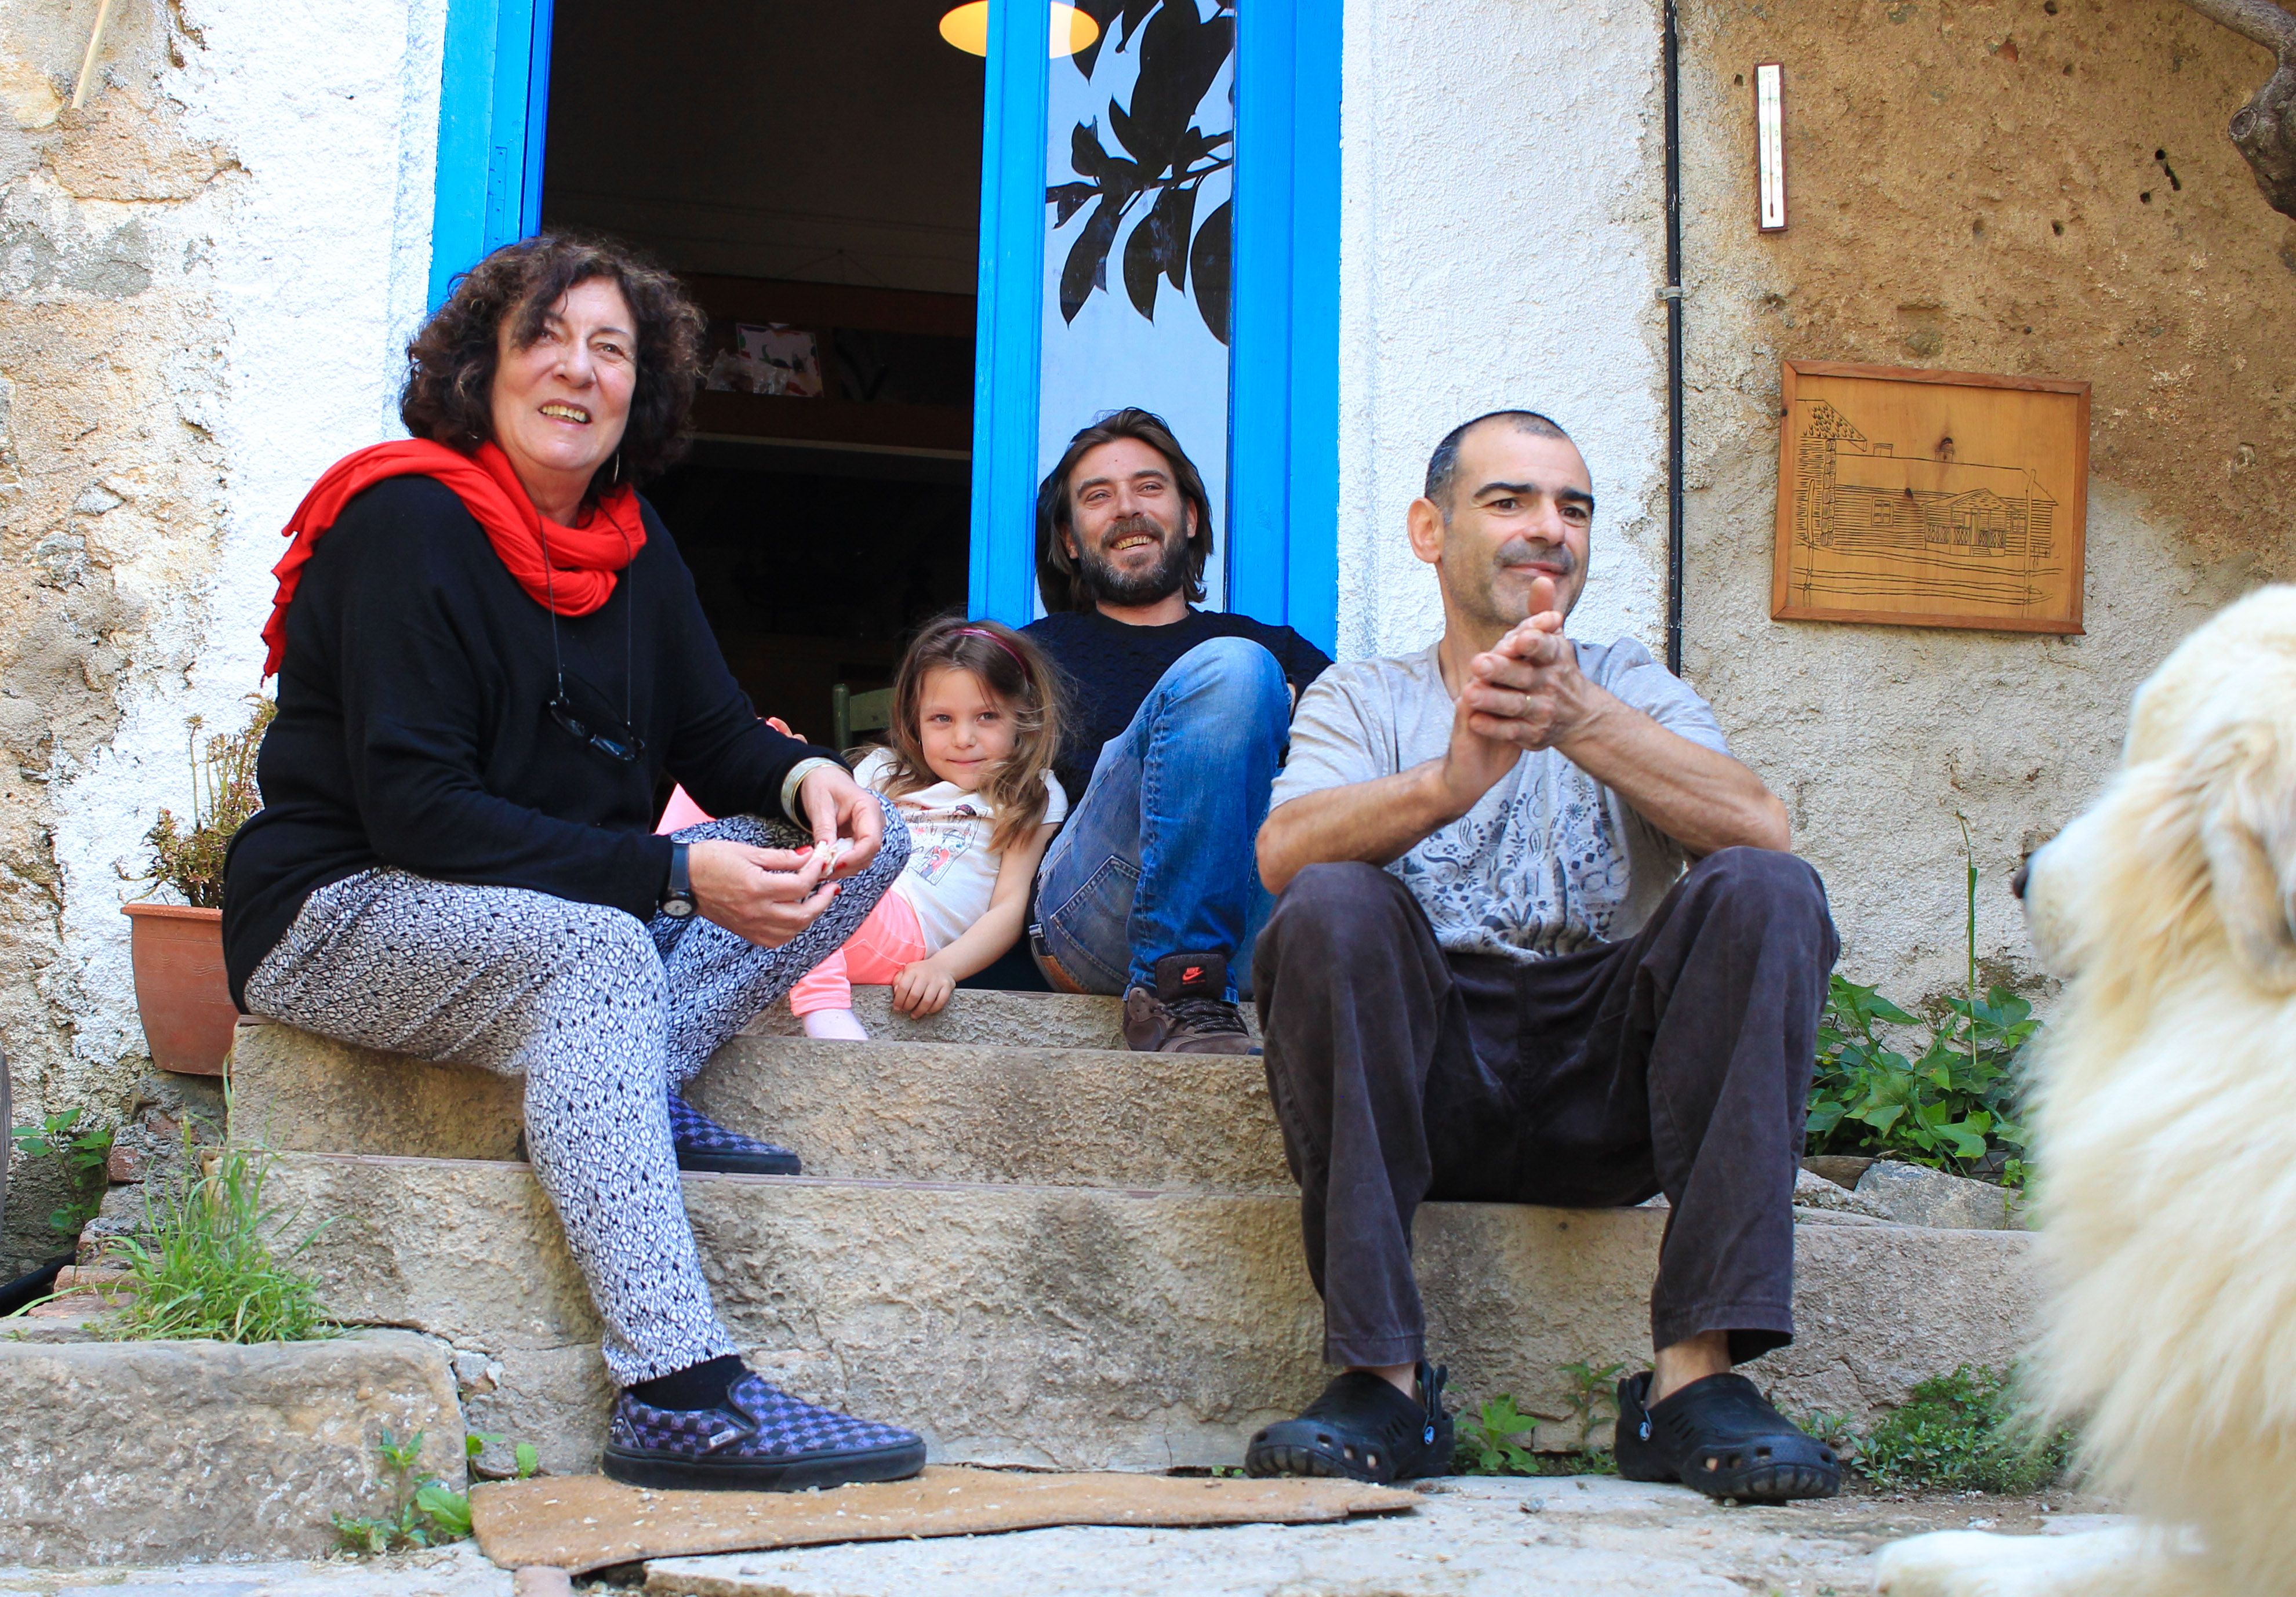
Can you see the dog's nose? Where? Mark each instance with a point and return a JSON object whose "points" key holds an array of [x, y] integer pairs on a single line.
{"points": [[2017, 877]]}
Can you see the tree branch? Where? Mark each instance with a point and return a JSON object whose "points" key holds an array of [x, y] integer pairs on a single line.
{"points": [[2260, 21], [2264, 130]]}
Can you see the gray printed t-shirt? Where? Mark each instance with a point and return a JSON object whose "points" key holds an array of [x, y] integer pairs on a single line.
{"points": [[1549, 861]]}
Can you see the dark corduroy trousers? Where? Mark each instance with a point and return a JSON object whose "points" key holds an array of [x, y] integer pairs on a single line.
{"points": [[1676, 1061]]}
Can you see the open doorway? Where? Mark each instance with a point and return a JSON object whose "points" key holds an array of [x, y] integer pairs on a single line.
{"points": [[813, 172]]}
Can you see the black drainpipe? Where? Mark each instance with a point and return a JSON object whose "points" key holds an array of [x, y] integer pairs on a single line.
{"points": [[1672, 295]]}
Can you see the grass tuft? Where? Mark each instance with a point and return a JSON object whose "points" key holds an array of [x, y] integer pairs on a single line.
{"points": [[206, 1268], [1965, 1431]]}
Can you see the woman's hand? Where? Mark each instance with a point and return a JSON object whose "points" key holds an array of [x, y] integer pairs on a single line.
{"points": [[838, 807], [923, 988], [765, 895]]}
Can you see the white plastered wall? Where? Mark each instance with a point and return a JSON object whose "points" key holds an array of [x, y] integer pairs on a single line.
{"points": [[1502, 244], [315, 265]]}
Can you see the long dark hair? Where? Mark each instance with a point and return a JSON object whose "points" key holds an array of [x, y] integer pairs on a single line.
{"points": [[450, 365], [1060, 578], [1013, 670]]}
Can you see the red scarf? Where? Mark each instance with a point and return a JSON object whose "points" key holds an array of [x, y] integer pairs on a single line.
{"points": [[580, 576]]}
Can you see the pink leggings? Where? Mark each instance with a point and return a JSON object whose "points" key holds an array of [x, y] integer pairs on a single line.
{"points": [[890, 939]]}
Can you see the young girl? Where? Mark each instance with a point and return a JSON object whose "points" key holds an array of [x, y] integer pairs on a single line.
{"points": [[975, 724]]}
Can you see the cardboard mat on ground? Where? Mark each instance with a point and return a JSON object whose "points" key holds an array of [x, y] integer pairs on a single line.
{"points": [[583, 1522]]}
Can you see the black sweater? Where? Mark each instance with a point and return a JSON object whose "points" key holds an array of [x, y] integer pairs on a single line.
{"points": [[1112, 666], [413, 729]]}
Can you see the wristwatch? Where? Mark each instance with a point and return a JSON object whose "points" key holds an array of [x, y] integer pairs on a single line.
{"points": [[678, 903]]}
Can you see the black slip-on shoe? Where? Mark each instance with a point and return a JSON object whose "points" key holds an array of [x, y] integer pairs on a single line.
{"points": [[1361, 1428], [704, 1146], [759, 1439], [1721, 1435]]}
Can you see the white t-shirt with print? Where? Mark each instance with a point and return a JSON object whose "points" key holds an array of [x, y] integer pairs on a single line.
{"points": [[1550, 860], [952, 871]]}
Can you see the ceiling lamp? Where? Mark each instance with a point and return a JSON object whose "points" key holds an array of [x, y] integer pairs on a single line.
{"points": [[967, 28]]}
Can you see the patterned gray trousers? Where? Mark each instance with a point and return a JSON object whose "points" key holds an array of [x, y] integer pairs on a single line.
{"points": [[604, 1016]]}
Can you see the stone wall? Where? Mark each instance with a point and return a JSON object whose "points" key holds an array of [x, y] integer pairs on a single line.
{"points": [[1977, 187], [204, 274]]}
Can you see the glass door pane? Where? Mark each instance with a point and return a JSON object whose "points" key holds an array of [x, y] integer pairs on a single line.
{"points": [[1139, 177]]}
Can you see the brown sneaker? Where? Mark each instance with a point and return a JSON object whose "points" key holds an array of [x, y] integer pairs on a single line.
{"points": [[1188, 1013]]}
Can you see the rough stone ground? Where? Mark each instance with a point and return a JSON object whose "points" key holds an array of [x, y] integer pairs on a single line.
{"points": [[461, 1571], [1580, 1536]]}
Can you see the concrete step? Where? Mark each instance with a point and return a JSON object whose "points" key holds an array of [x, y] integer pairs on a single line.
{"points": [[1089, 1327], [875, 1111]]}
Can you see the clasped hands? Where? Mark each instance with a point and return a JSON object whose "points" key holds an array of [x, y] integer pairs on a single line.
{"points": [[768, 896], [1524, 692]]}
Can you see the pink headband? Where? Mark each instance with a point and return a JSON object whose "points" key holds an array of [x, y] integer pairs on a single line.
{"points": [[983, 632]]}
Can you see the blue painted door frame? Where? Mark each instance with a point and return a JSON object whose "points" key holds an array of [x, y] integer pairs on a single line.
{"points": [[1283, 346], [494, 106], [1284, 349], [1009, 318]]}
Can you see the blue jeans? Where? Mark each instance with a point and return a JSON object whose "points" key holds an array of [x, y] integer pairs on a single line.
{"points": [[1157, 858]]}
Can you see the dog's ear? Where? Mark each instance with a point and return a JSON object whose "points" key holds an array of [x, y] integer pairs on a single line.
{"points": [[2246, 814]]}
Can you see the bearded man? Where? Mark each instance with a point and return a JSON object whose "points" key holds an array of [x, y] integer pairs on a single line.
{"points": [[1179, 720], [1491, 979]]}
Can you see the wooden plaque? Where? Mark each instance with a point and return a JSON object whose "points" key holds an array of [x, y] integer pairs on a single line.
{"points": [[1931, 498]]}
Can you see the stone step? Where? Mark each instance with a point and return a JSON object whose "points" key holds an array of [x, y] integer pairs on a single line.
{"points": [[154, 1452], [1032, 1020], [1090, 1328], [915, 1112]]}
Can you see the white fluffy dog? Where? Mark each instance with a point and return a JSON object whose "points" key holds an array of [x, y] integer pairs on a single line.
{"points": [[2166, 1130]]}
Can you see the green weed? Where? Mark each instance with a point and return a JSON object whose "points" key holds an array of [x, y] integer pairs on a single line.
{"points": [[1966, 1432], [1837, 1431], [1595, 1461], [430, 1511], [1591, 1397], [527, 1460], [206, 1268], [1494, 1441], [1951, 1107], [79, 1153], [1487, 1444]]}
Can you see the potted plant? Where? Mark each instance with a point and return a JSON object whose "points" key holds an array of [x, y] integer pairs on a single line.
{"points": [[181, 992]]}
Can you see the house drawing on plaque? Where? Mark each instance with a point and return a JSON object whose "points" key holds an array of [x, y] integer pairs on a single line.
{"points": [[1899, 532]]}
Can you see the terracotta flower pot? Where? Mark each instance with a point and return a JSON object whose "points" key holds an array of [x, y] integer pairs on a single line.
{"points": [[181, 991]]}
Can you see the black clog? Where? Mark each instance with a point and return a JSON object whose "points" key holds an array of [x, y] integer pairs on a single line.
{"points": [[1721, 1435], [1361, 1428]]}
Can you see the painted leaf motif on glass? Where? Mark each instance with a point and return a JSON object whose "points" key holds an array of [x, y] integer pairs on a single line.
{"points": [[1167, 154]]}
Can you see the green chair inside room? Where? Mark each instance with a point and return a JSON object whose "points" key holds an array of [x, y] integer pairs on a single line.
{"points": [[851, 713]]}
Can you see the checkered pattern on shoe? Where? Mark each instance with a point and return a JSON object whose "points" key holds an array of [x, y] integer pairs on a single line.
{"points": [[757, 1421], [692, 1132]]}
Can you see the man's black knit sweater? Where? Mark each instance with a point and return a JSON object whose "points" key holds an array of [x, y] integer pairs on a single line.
{"points": [[1112, 666], [413, 728]]}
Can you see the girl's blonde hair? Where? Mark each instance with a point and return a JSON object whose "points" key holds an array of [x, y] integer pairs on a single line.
{"points": [[1018, 674]]}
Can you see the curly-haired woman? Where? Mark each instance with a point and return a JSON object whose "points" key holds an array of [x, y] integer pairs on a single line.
{"points": [[488, 655]]}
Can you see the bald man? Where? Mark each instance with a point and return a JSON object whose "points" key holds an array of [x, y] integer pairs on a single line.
{"points": [[1539, 941]]}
